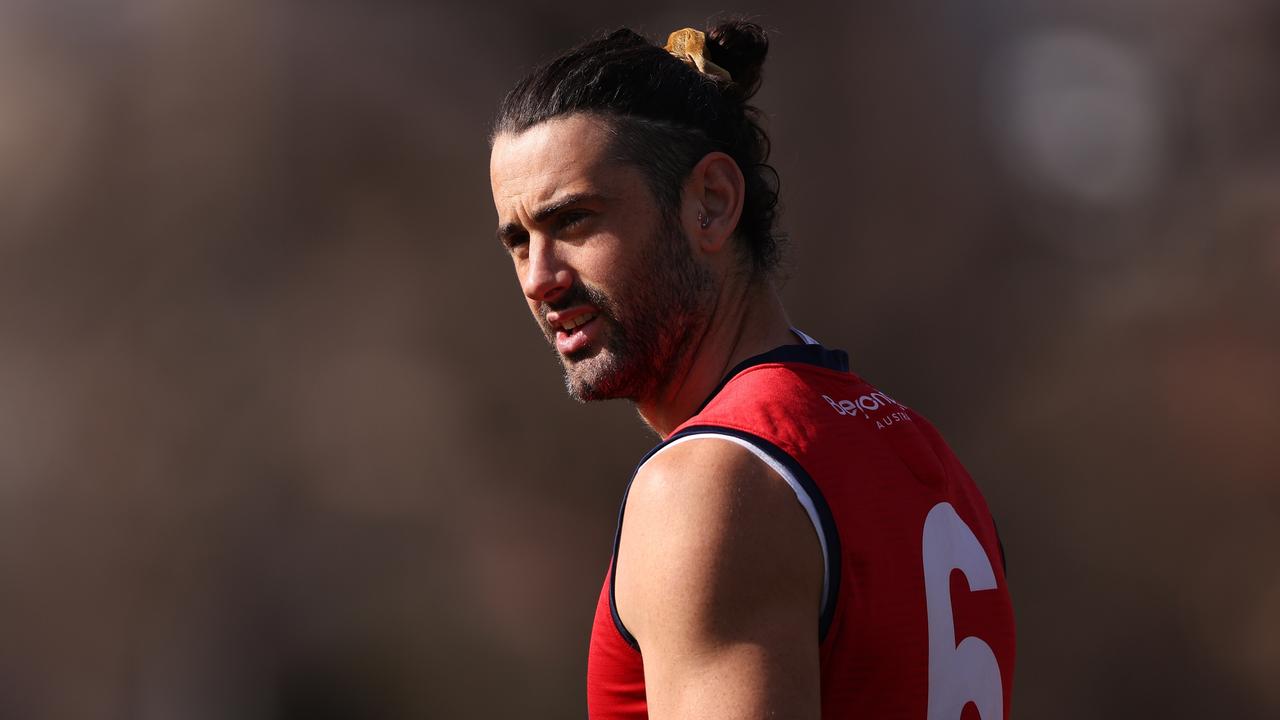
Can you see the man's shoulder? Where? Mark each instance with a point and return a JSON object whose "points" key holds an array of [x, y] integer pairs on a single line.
{"points": [[700, 478], [686, 532], [712, 479]]}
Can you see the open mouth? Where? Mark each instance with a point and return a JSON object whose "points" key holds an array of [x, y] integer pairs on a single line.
{"points": [[575, 334]]}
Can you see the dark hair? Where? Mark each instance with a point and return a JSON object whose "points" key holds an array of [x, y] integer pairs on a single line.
{"points": [[665, 114]]}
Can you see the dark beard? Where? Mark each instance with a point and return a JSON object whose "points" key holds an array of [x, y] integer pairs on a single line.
{"points": [[654, 320]]}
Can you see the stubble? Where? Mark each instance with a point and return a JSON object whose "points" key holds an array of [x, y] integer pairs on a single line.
{"points": [[654, 319]]}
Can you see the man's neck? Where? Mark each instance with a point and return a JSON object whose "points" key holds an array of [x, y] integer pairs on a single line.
{"points": [[747, 320]]}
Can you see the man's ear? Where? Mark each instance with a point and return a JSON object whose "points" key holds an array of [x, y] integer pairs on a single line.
{"points": [[713, 200]]}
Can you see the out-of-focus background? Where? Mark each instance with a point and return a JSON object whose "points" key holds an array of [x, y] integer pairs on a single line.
{"points": [[278, 439]]}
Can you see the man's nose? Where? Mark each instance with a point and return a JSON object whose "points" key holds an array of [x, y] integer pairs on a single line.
{"points": [[546, 276]]}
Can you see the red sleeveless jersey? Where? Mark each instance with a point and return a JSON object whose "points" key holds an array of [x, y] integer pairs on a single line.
{"points": [[916, 620]]}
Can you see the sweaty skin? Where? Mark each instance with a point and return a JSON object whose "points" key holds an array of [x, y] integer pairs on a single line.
{"points": [[719, 571]]}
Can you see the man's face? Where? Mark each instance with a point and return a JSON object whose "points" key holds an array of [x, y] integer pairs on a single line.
{"points": [[609, 278]]}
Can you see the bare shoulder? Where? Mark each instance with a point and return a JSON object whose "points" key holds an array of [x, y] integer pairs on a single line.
{"points": [[703, 474], [714, 544]]}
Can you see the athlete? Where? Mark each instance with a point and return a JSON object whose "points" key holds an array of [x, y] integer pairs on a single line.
{"points": [[800, 544]]}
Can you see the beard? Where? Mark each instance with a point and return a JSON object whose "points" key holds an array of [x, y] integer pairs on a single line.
{"points": [[652, 321]]}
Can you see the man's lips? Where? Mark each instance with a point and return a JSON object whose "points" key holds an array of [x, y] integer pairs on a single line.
{"points": [[575, 328]]}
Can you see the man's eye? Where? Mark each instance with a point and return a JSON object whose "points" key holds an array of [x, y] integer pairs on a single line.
{"points": [[569, 219]]}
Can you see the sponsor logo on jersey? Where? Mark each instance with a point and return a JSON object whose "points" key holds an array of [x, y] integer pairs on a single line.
{"points": [[865, 405]]}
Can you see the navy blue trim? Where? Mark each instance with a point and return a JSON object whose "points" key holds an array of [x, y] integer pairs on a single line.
{"points": [[827, 522], [837, 360]]}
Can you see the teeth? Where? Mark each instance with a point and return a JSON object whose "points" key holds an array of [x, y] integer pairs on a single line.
{"points": [[578, 321]]}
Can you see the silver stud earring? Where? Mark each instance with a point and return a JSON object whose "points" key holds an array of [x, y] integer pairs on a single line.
{"points": [[703, 221]]}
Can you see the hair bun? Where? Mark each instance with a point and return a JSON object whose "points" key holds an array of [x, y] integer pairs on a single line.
{"points": [[739, 47]]}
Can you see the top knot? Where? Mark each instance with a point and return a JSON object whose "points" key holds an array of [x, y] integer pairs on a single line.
{"points": [[739, 46]]}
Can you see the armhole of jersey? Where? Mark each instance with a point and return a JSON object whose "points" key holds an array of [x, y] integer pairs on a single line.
{"points": [[807, 494]]}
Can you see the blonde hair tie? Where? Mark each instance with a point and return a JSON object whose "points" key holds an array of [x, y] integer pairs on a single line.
{"points": [[689, 45]]}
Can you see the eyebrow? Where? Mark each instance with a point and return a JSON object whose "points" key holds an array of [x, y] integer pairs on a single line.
{"points": [[507, 230]]}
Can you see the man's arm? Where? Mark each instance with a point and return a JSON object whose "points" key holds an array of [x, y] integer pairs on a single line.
{"points": [[719, 578]]}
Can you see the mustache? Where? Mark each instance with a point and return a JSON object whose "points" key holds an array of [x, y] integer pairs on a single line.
{"points": [[577, 294]]}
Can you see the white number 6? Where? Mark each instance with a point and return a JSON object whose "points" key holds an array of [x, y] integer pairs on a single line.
{"points": [[968, 672]]}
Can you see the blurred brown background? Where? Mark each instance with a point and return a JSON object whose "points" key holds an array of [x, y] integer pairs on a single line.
{"points": [[278, 439]]}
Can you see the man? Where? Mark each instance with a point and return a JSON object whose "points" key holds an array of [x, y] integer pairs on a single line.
{"points": [[789, 549]]}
